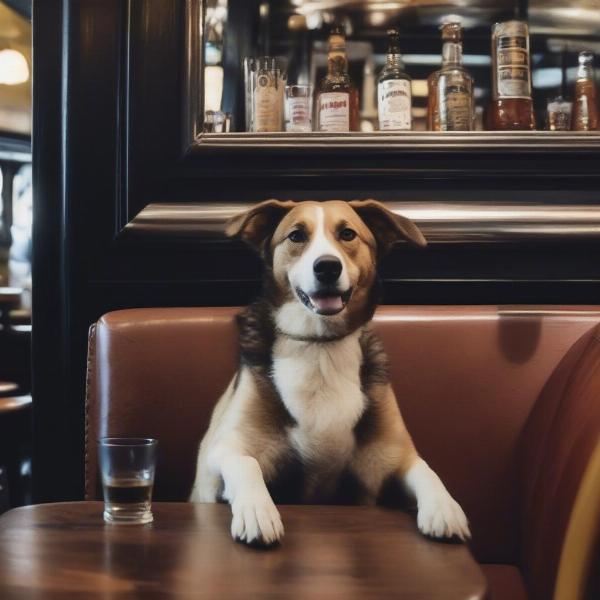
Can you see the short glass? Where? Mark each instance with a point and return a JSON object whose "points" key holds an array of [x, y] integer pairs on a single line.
{"points": [[298, 108], [127, 468], [558, 116]]}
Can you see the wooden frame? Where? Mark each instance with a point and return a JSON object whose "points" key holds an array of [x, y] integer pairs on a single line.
{"points": [[392, 157]]}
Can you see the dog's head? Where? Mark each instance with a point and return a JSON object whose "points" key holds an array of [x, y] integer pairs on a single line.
{"points": [[321, 259]]}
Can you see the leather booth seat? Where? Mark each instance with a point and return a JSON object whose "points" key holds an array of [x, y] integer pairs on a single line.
{"points": [[503, 402]]}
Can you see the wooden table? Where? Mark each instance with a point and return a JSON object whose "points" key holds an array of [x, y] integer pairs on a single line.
{"points": [[66, 551]]}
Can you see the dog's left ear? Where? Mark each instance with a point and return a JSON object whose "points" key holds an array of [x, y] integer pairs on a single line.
{"points": [[387, 227], [256, 225]]}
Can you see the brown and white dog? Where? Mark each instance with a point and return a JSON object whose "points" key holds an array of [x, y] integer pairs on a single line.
{"points": [[311, 414]]}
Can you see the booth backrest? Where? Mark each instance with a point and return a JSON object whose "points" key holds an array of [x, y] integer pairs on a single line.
{"points": [[466, 379]]}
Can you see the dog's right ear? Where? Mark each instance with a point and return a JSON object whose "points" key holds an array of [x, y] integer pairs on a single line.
{"points": [[256, 225]]}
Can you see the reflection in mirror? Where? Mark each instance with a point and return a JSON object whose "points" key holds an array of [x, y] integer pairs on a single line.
{"points": [[274, 65]]}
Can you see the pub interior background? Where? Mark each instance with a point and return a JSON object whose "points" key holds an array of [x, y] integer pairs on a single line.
{"points": [[142, 147]]}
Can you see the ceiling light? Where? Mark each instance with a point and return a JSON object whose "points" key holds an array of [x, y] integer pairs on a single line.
{"points": [[377, 18], [13, 67]]}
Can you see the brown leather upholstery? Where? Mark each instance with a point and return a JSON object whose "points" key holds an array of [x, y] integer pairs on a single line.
{"points": [[560, 437], [467, 379], [504, 582]]}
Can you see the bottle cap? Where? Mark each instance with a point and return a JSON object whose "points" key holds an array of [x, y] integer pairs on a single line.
{"points": [[394, 41], [451, 32], [586, 57], [337, 39]]}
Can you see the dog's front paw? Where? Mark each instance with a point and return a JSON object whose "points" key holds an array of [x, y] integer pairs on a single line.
{"points": [[256, 520], [442, 517]]}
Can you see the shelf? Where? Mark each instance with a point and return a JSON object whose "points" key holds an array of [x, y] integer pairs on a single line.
{"points": [[410, 141]]}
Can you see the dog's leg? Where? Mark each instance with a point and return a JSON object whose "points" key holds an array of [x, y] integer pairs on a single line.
{"points": [[255, 516], [439, 515], [388, 451]]}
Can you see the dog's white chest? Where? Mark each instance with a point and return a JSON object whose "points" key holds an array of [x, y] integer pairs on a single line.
{"points": [[320, 386]]}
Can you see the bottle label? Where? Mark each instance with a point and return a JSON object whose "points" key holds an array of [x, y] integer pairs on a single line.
{"points": [[455, 111], [512, 61], [334, 112], [268, 101], [395, 102]]}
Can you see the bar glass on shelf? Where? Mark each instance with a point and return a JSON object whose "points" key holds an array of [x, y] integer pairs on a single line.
{"points": [[265, 81], [558, 116], [298, 108]]}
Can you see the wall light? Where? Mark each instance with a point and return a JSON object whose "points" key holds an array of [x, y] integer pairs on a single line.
{"points": [[13, 67]]}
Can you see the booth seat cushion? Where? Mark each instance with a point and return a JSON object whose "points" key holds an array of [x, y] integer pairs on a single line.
{"points": [[466, 379], [504, 582]]}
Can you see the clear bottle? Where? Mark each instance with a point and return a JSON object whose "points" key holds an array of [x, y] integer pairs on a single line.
{"points": [[586, 115], [394, 95], [337, 101], [450, 106], [512, 105]]}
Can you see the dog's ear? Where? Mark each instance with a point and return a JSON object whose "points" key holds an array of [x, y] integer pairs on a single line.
{"points": [[256, 225], [387, 227]]}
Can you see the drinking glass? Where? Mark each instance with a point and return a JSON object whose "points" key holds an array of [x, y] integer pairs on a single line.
{"points": [[558, 116], [127, 468], [298, 108], [265, 79]]}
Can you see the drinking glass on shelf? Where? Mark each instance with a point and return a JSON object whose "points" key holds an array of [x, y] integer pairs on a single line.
{"points": [[558, 116], [298, 108], [127, 468], [264, 80]]}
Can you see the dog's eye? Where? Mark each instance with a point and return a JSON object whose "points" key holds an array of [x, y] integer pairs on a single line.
{"points": [[297, 236], [347, 234]]}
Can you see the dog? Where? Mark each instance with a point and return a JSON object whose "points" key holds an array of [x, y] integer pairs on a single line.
{"points": [[310, 416]]}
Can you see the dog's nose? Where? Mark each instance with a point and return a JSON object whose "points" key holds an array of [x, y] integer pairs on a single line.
{"points": [[327, 269]]}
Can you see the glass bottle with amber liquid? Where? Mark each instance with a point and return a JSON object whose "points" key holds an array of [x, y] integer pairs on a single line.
{"points": [[450, 90], [586, 115], [337, 104], [394, 94], [512, 105]]}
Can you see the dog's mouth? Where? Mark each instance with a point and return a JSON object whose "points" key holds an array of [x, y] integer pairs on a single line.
{"points": [[325, 302]]}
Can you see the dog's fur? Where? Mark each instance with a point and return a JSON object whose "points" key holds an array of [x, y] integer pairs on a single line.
{"points": [[310, 415]]}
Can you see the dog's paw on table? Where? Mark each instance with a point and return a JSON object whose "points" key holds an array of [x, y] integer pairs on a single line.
{"points": [[256, 522], [443, 518]]}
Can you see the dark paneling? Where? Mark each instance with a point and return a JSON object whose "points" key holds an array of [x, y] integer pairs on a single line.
{"points": [[50, 355]]}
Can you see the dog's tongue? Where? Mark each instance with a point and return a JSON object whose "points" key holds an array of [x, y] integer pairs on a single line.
{"points": [[326, 303]]}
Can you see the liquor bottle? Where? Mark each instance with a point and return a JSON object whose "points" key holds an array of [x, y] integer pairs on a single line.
{"points": [[511, 106], [450, 106], [394, 96], [586, 115], [337, 100]]}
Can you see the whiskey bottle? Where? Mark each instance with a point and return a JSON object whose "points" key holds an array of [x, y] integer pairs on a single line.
{"points": [[337, 99], [512, 105], [586, 115], [451, 88], [394, 96]]}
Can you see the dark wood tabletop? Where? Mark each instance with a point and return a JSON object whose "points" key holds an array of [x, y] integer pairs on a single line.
{"points": [[66, 551]]}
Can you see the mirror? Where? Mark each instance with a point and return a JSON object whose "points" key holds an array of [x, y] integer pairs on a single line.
{"points": [[296, 32]]}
